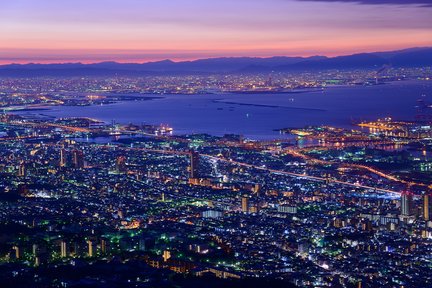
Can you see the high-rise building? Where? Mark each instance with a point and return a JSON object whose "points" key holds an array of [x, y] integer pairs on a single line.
{"points": [[121, 164], [18, 253], [78, 159], [63, 158], [104, 246], [91, 248], [406, 203], [245, 204], [427, 207], [22, 169], [257, 189], [166, 255], [64, 249], [194, 165]]}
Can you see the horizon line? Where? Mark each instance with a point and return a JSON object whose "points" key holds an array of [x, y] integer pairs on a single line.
{"points": [[192, 59]]}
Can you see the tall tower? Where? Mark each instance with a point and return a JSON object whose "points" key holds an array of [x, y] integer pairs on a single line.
{"points": [[63, 157], [105, 245], [22, 169], [64, 250], [91, 248], [18, 252], [245, 204], [427, 207], [78, 159], [407, 203], [194, 165]]}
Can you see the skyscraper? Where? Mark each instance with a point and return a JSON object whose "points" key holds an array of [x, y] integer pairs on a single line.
{"points": [[194, 165], [22, 169], [64, 249], [104, 245], [245, 204], [18, 252], [427, 207], [406, 203], [91, 248], [63, 158], [78, 159]]}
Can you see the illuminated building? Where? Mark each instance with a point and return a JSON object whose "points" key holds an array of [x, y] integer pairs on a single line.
{"points": [[406, 203], [212, 214], [287, 209], [104, 246], [91, 248], [253, 209], [37, 261], [63, 249], [18, 252], [63, 158], [78, 159], [22, 169], [166, 255], [245, 204], [194, 165], [427, 207], [257, 188]]}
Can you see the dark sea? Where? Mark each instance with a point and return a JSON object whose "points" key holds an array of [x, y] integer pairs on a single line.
{"points": [[256, 116]]}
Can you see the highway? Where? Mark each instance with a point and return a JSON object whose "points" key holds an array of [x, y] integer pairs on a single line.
{"points": [[296, 153], [269, 170], [304, 176], [355, 166]]}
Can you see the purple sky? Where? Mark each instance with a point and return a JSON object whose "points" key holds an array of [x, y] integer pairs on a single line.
{"points": [[147, 30]]}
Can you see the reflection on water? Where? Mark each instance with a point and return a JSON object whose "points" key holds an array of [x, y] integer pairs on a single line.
{"points": [[258, 115]]}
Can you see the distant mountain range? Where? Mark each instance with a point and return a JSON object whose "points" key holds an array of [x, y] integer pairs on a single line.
{"points": [[414, 57]]}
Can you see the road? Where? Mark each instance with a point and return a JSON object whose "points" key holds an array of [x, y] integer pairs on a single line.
{"points": [[313, 178], [355, 166], [273, 171], [304, 176]]}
